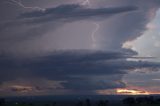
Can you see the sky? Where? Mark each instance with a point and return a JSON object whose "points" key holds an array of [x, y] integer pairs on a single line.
{"points": [[79, 47]]}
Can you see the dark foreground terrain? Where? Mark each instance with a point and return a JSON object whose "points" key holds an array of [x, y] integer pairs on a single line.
{"points": [[110, 100]]}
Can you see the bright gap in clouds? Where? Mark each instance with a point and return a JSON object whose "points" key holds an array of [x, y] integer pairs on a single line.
{"points": [[149, 43]]}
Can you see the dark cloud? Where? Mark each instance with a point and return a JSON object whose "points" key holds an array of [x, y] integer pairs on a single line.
{"points": [[81, 69], [95, 83], [23, 32], [72, 13]]}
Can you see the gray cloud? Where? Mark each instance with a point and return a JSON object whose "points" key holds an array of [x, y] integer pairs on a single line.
{"points": [[89, 70], [127, 27], [95, 83], [30, 28], [34, 34], [72, 13]]}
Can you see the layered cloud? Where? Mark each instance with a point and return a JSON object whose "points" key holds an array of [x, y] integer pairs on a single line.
{"points": [[81, 70], [69, 13], [31, 28], [56, 45]]}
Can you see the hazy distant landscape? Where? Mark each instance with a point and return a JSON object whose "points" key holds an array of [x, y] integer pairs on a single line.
{"points": [[97, 100]]}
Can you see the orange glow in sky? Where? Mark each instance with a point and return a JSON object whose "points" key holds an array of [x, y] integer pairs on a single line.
{"points": [[131, 92]]}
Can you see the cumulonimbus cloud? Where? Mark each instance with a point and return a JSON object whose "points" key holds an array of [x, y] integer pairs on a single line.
{"points": [[68, 13], [30, 26], [100, 69], [74, 69]]}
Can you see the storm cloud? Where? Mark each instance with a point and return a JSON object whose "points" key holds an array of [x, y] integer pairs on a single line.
{"points": [[52, 49], [76, 70], [69, 13], [29, 28], [127, 27]]}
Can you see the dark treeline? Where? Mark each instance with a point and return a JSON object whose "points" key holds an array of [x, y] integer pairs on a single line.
{"points": [[128, 101], [88, 103], [146, 100]]}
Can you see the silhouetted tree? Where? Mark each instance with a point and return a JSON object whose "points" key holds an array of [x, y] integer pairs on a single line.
{"points": [[88, 102], [46, 104], [2, 101], [145, 100], [106, 102], [129, 101], [150, 100], [54, 103], [140, 100], [80, 103], [103, 103], [31, 104], [158, 101]]}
